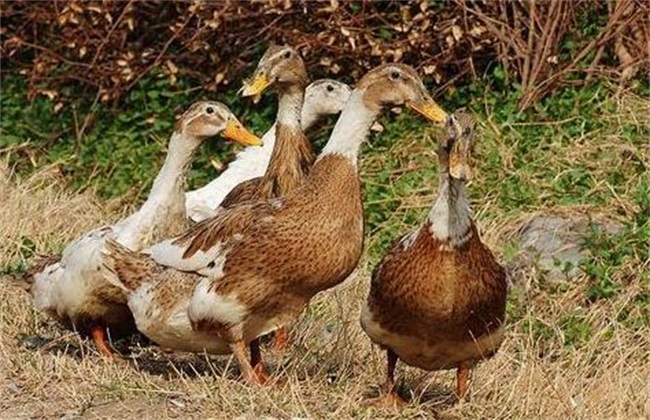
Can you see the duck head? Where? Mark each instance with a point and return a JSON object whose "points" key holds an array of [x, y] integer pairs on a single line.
{"points": [[209, 118], [326, 97], [456, 147], [280, 67], [391, 85]]}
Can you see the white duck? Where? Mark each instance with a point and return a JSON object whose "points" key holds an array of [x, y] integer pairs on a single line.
{"points": [[74, 289], [322, 97]]}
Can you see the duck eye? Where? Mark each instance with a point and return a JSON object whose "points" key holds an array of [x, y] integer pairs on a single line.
{"points": [[467, 131], [287, 54], [209, 110], [330, 88], [394, 75]]}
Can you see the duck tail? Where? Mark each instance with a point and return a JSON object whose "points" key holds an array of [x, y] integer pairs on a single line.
{"points": [[129, 269]]}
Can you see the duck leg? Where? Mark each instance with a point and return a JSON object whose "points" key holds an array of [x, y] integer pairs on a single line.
{"points": [[99, 337], [390, 397], [280, 339], [239, 350], [462, 378], [256, 362]]}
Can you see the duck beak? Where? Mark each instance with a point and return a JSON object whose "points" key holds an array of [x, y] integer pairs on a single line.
{"points": [[429, 109], [235, 131], [256, 87], [459, 167]]}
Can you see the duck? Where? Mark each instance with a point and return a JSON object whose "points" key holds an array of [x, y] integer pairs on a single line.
{"points": [[252, 269], [282, 68], [323, 97], [437, 298], [72, 287]]}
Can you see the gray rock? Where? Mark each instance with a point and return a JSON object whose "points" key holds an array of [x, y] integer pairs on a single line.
{"points": [[552, 243]]}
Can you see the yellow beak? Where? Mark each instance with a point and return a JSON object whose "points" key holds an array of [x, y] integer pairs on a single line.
{"points": [[429, 109], [256, 87], [459, 167], [235, 131]]}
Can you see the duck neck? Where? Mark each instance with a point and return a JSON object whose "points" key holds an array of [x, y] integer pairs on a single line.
{"points": [[308, 117], [171, 177], [167, 197], [351, 129], [290, 106], [450, 216], [292, 154]]}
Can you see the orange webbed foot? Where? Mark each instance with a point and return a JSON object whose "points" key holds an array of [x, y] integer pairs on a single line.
{"points": [[390, 400], [281, 339], [260, 375], [99, 338]]}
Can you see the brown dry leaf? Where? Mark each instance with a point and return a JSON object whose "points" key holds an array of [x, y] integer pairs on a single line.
{"points": [[457, 32], [171, 66], [51, 94], [477, 31], [429, 69]]}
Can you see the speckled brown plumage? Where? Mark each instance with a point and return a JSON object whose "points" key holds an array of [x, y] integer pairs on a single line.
{"points": [[290, 163], [437, 299], [327, 213], [437, 293], [303, 244]]}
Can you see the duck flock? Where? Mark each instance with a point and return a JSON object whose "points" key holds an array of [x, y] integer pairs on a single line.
{"points": [[215, 269]]}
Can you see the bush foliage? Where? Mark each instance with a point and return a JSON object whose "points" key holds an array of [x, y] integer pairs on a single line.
{"points": [[106, 47]]}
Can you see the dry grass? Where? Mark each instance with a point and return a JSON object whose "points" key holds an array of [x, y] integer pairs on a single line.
{"points": [[330, 368]]}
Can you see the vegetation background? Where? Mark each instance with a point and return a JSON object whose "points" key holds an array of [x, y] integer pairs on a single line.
{"points": [[89, 91]]}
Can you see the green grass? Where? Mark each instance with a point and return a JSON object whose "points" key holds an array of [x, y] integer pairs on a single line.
{"points": [[523, 159]]}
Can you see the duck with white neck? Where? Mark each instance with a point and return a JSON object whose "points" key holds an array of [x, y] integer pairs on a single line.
{"points": [[73, 288], [437, 299], [257, 266], [322, 98]]}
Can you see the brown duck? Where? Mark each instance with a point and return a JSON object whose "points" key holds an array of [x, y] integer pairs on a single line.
{"points": [[257, 266], [292, 157], [437, 299], [280, 67]]}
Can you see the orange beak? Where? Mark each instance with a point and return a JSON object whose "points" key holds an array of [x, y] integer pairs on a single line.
{"points": [[256, 87], [235, 131], [429, 109]]}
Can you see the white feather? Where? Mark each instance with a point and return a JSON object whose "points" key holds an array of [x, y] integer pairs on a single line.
{"points": [[207, 305], [351, 129], [450, 215], [171, 255], [174, 329]]}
